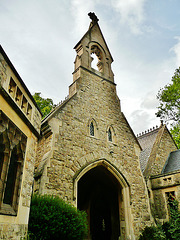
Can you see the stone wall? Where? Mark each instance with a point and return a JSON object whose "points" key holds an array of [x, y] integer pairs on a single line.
{"points": [[19, 112], [43, 155], [3, 67], [44, 146], [166, 146], [73, 148], [13, 231], [28, 172], [18, 223], [162, 147], [15, 91], [160, 186], [15, 227]]}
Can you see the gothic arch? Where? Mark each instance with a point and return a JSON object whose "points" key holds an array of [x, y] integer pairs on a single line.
{"points": [[113, 134], [93, 121], [96, 48], [5, 141], [90, 44], [119, 176], [123, 192], [12, 153]]}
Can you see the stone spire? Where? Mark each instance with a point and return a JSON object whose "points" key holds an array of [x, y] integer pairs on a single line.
{"points": [[93, 43]]}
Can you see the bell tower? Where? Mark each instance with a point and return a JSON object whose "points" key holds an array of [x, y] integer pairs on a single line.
{"points": [[92, 43]]}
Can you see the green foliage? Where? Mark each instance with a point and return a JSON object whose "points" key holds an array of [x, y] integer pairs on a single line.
{"points": [[169, 230], [169, 98], [173, 226], [27, 237], [45, 104], [153, 233], [169, 109], [175, 131], [52, 218]]}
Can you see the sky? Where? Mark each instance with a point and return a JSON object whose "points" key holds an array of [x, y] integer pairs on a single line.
{"points": [[143, 37]]}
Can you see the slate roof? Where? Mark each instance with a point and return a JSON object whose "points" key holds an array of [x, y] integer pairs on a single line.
{"points": [[173, 162], [146, 141]]}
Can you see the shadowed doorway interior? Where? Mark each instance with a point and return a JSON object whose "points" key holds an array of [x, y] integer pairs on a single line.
{"points": [[98, 195]]}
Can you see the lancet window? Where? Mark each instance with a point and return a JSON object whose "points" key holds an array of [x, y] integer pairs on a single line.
{"points": [[12, 151], [109, 135], [170, 197], [91, 129], [96, 52]]}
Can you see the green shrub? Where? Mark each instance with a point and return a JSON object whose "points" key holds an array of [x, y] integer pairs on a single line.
{"points": [[52, 218], [153, 233], [169, 230], [147, 233], [173, 226]]}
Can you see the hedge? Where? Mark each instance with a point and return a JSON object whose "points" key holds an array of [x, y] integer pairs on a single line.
{"points": [[52, 218]]}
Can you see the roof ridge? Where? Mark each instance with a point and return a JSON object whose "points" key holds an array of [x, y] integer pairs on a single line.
{"points": [[56, 107], [150, 130], [147, 170]]}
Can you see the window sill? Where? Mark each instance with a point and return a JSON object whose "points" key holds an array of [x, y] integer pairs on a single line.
{"points": [[7, 210], [93, 137], [112, 143]]}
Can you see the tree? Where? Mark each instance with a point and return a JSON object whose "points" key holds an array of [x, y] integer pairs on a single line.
{"points": [[45, 104], [169, 109], [175, 131]]}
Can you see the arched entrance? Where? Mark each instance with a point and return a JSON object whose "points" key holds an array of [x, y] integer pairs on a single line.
{"points": [[99, 194]]}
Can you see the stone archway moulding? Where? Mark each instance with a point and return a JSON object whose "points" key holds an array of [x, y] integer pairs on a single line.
{"points": [[123, 183]]}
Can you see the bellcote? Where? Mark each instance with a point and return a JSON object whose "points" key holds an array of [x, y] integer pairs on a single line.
{"points": [[93, 43]]}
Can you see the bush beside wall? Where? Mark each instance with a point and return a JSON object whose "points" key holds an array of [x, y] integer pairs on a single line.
{"points": [[169, 230], [52, 218]]}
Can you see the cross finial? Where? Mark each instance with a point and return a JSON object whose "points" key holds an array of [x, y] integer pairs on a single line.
{"points": [[93, 17]]}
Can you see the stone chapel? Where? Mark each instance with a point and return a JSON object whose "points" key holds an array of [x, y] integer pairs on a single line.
{"points": [[88, 153], [85, 151]]}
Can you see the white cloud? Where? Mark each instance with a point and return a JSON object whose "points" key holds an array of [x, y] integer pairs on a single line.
{"points": [[41, 35], [176, 50], [150, 101], [140, 112], [132, 13], [140, 120], [79, 10]]}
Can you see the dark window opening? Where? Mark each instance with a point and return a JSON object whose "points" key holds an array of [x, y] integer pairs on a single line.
{"points": [[12, 87], [170, 196], [11, 178], [92, 129], [2, 148], [109, 135], [1, 161], [11, 164]]}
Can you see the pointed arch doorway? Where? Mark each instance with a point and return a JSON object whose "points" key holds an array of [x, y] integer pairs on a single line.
{"points": [[99, 194]]}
